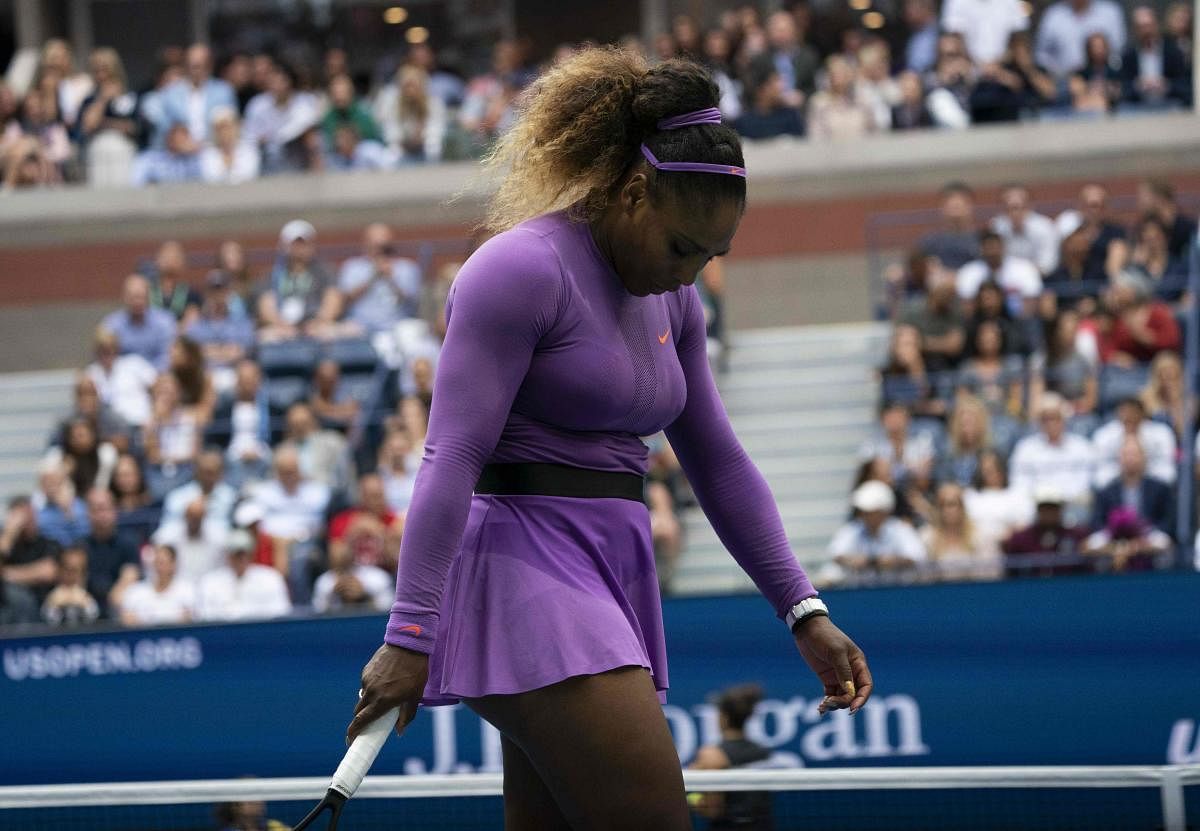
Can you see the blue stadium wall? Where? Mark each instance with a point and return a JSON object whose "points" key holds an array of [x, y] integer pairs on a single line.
{"points": [[1102, 670]]}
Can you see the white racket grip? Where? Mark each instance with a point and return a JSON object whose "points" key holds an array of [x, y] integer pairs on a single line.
{"points": [[361, 755]]}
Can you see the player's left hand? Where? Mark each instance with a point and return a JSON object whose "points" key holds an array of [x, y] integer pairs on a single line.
{"points": [[837, 661]]}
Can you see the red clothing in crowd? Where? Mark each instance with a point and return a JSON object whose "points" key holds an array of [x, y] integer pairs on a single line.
{"points": [[366, 551], [1162, 326]]}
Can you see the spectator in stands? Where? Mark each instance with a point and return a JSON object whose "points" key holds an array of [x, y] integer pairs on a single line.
{"points": [[1134, 489], [230, 159], [1142, 326], [985, 26], [119, 383], [1013, 87], [87, 405], [1095, 87], [231, 258], [1151, 260], [768, 114], [717, 58], [237, 70], [1154, 72], [875, 87], [69, 603], [1156, 198], [1018, 277], [1105, 237], [346, 110], [219, 496], [839, 113], [28, 557], [177, 161], [1054, 457], [1165, 396], [1051, 545], [939, 322], [17, 603], [169, 286], [349, 584], [486, 110], [293, 514], [300, 297], [1157, 441], [443, 85], [413, 119], [396, 470], [334, 408], [910, 453], [997, 379], [920, 49], [242, 425], [323, 454], [796, 62], [71, 86], [951, 84], [169, 70], [137, 513], [1062, 368], [193, 99], [875, 545], [905, 379], [1065, 27], [163, 597], [991, 306], [349, 152], [1178, 24], [956, 243], [61, 512], [370, 530], [198, 540], [187, 366], [27, 166], [224, 338], [379, 288], [113, 560], [241, 589], [171, 437], [1026, 233], [108, 125], [970, 434], [910, 111], [955, 550], [1070, 279], [278, 116], [995, 509], [747, 809], [139, 329], [42, 121], [88, 462]]}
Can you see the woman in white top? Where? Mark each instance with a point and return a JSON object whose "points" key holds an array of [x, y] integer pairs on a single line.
{"points": [[163, 597], [413, 121], [171, 436], [995, 509], [228, 160]]}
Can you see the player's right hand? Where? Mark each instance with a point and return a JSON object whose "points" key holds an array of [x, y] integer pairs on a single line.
{"points": [[394, 677]]}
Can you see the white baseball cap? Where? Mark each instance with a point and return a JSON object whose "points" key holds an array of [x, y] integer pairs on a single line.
{"points": [[873, 496], [297, 229], [1046, 494]]}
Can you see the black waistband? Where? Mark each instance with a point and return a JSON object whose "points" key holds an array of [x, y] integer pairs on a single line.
{"points": [[546, 479]]}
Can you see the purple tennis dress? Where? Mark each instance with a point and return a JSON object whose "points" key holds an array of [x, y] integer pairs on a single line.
{"points": [[548, 358]]}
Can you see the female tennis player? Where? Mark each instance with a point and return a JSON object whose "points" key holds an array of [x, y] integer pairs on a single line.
{"points": [[526, 585]]}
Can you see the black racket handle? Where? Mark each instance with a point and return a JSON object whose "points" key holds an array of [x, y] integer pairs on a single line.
{"points": [[334, 801]]}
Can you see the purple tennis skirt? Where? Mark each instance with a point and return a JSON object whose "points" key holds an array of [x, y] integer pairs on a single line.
{"points": [[546, 588]]}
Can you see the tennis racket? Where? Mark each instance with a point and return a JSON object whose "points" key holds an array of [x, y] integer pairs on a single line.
{"points": [[349, 774]]}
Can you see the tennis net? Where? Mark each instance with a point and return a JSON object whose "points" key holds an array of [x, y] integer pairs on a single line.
{"points": [[844, 799]]}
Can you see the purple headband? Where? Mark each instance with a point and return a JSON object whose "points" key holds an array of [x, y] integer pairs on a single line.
{"points": [[709, 116]]}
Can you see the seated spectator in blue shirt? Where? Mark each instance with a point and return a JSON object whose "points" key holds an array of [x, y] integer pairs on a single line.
{"points": [[379, 289], [176, 162], [920, 52], [1154, 72], [768, 115], [1064, 28], [875, 546], [192, 99], [1149, 497], [62, 515], [350, 152], [140, 329], [113, 559], [224, 338], [169, 287], [956, 243], [209, 485]]}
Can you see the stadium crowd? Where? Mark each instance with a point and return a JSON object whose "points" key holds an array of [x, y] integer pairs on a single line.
{"points": [[1033, 398], [249, 446], [238, 115]]}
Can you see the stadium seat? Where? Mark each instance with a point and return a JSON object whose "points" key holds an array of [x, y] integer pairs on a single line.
{"points": [[289, 358], [352, 355], [284, 391], [359, 386], [1118, 383]]}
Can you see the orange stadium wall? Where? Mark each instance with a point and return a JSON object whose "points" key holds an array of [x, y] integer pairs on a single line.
{"points": [[800, 257]]}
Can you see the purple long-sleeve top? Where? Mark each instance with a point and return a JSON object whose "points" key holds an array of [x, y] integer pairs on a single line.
{"points": [[548, 358]]}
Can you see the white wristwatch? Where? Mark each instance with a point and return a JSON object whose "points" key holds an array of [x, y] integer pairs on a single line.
{"points": [[805, 609]]}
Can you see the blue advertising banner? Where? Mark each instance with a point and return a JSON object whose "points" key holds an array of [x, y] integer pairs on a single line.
{"points": [[1101, 670]]}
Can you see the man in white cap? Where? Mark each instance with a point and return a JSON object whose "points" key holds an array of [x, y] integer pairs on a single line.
{"points": [[242, 589], [301, 299], [875, 544]]}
